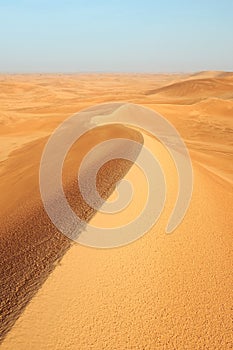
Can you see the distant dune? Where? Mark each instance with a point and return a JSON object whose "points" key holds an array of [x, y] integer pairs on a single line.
{"points": [[211, 74], [193, 90], [160, 292], [207, 74]]}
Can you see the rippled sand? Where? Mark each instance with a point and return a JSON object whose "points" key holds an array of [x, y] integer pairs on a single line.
{"points": [[160, 292]]}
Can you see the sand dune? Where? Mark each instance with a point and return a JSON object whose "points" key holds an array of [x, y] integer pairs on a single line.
{"points": [[160, 292], [193, 90], [209, 74], [30, 243]]}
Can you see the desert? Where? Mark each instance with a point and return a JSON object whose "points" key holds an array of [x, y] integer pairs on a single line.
{"points": [[159, 292]]}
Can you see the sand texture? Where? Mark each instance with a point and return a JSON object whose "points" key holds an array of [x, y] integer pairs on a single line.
{"points": [[160, 292]]}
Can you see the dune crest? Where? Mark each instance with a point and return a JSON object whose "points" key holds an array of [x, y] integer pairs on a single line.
{"points": [[161, 292]]}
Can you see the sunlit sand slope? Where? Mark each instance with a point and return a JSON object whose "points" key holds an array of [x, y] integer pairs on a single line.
{"points": [[30, 243], [160, 292]]}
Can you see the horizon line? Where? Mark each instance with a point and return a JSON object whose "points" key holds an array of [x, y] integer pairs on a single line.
{"points": [[114, 72]]}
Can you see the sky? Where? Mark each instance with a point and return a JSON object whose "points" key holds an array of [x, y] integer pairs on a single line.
{"points": [[115, 36]]}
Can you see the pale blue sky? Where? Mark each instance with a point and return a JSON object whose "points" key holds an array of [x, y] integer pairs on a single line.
{"points": [[116, 36]]}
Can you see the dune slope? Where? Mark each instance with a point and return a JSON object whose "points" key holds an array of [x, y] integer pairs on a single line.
{"points": [[30, 243], [160, 292]]}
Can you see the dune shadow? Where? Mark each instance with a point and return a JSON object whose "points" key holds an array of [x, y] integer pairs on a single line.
{"points": [[31, 246]]}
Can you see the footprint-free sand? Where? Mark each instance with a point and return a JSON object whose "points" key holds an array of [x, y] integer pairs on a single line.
{"points": [[159, 292]]}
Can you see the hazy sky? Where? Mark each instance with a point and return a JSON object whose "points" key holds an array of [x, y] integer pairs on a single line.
{"points": [[116, 36]]}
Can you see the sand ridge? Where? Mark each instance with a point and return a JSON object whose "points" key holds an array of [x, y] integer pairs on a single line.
{"points": [[30, 243], [161, 292]]}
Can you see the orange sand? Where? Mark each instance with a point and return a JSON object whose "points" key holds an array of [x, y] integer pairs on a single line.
{"points": [[162, 291]]}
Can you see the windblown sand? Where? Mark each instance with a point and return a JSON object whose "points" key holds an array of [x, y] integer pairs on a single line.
{"points": [[160, 292]]}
